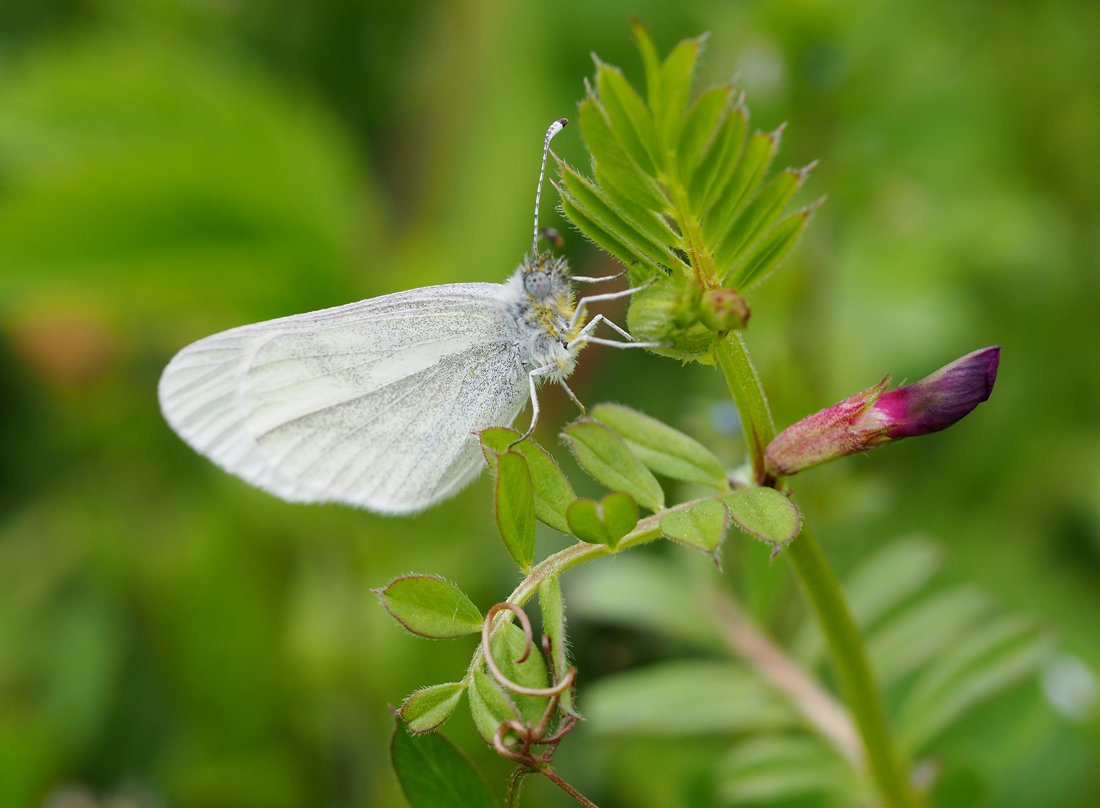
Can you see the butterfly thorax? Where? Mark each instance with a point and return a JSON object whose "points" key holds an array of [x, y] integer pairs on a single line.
{"points": [[541, 300]]}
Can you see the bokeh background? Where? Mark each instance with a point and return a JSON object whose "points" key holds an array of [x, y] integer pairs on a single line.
{"points": [[171, 168]]}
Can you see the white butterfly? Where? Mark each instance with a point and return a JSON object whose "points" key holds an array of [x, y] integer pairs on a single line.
{"points": [[373, 403]]}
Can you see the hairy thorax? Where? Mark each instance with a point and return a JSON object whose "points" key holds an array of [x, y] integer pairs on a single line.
{"points": [[540, 298]]}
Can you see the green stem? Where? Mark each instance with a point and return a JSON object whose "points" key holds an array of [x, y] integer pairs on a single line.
{"points": [[822, 590], [748, 395]]}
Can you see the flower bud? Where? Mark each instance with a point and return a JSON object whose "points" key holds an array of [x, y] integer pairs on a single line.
{"points": [[723, 310], [873, 417]]}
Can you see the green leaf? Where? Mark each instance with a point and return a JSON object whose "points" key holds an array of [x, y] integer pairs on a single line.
{"points": [[603, 522], [430, 606], [677, 73], [720, 160], [675, 699], [624, 212], [552, 490], [615, 171], [509, 646], [889, 576], [629, 118], [489, 706], [759, 215], [703, 525], [661, 448], [991, 659], [515, 508], [643, 232], [586, 523], [490, 703], [626, 255], [434, 774], [750, 170], [650, 61], [778, 768], [769, 251], [552, 608], [703, 119], [429, 707], [924, 631], [605, 456], [620, 514], [765, 514]]}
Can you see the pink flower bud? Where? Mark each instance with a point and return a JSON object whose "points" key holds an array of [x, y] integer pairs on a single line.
{"points": [[874, 417]]}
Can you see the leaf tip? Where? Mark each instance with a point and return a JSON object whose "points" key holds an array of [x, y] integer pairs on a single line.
{"points": [[776, 135], [811, 208]]}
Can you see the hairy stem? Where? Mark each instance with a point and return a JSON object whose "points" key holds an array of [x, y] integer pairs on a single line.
{"points": [[515, 784], [821, 588]]}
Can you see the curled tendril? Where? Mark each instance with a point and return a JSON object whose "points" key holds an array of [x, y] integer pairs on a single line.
{"points": [[506, 751], [528, 636], [528, 738]]}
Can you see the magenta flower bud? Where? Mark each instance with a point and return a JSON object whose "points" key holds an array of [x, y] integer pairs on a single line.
{"points": [[874, 417]]}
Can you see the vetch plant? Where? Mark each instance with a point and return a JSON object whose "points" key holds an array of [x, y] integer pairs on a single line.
{"points": [[680, 191]]}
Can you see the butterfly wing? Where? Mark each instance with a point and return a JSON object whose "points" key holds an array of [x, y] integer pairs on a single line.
{"points": [[371, 404]]}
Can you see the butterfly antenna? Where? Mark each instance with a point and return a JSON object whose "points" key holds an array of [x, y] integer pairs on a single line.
{"points": [[555, 127]]}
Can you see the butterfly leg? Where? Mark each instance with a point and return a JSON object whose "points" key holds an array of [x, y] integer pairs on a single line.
{"points": [[582, 304], [531, 377], [590, 326], [584, 336], [572, 396], [586, 339]]}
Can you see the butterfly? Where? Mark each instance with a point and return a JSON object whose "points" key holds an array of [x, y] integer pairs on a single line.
{"points": [[373, 404]]}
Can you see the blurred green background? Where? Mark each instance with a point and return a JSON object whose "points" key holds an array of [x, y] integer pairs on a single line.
{"points": [[171, 168]]}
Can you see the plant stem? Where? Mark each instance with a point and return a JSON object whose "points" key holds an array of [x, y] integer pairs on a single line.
{"points": [[557, 780], [822, 590], [748, 395]]}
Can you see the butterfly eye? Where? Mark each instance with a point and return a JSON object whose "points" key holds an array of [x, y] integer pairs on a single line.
{"points": [[537, 284]]}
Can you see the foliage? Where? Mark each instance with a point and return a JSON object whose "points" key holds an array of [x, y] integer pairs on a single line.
{"points": [[937, 658]]}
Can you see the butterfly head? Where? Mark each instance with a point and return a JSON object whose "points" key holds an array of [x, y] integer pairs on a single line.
{"points": [[546, 279]]}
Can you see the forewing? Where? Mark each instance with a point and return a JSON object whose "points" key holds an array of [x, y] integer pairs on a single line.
{"points": [[371, 404]]}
